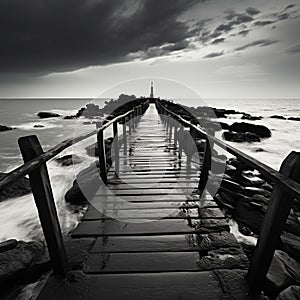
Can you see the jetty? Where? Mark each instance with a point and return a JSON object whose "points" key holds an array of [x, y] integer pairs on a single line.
{"points": [[152, 228]]}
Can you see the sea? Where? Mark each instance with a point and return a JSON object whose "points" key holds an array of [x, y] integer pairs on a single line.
{"points": [[18, 216]]}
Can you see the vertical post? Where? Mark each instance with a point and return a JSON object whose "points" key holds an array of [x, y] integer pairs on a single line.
{"points": [[102, 154], [124, 136], [175, 133], [132, 120], [206, 166], [129, 124], [170, 129], [42, 192], [116, 147], [274, 221]]}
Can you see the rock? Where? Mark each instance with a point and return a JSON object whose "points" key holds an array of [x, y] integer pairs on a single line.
{"points": [[38, 126], [294, 119], [283, 272], [77, 251], [225, 126], [240, 137], [267, 186], [233, 283], [290, 243], [291, 293], [251, 190], [24, 263], [249, 178], [19, 188], [68, 160], [249, 117], [8, 245], [232, 186], [44, 115], [249, 214], [230, 169], [260, 130], [223, 258], [6, 128], [70, 117], [278, 117], [89, 183]]}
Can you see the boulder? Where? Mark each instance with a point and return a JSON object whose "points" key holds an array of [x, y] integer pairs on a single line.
{"points": [[38, 126], [70, 117], [89, 183], [290, 243], [291, 293], [5, 128], [44, 115], [68, 160], [249, 117], [24, 263], [283, 272], [260, 130], [224, 126], [19, 188], [8, 245], [249, 214], [240, 137], [294, 119], [249, 178], [278, 117]]}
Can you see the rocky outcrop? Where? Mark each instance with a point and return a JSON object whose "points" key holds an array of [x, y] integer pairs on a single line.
{"points": [[278, 117], [18, 188], [68, 160], [6, 128], [260, 130], [25, 262], [246, 116], [294, 119], [241, 137], [45, 115], [291, 293], [283, 272], [88, 185], [290, 243]]}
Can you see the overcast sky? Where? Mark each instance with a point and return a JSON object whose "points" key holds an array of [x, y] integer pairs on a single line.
{"points": [[218, 48]]}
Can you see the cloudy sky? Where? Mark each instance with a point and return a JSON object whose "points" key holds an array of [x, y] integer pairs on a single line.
{"points": [[218, 48]]}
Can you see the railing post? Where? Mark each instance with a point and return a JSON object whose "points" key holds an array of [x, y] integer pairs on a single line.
{"points": [[133, 119], [175, 133], [124, 136], [129, 124], [170, 129], [116, 146], [206, 166], [42, 193], [102, 154], [274, 221]]}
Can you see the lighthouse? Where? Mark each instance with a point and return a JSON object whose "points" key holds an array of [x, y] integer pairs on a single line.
{"points": [[151, 91]]}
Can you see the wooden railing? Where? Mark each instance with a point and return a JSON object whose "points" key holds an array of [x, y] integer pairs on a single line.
{"points": [[286, 189], [35, 166]]}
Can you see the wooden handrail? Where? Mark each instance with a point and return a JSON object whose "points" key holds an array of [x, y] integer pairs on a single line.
{"points": [[35, 163], [286, 188], [287, 184]]}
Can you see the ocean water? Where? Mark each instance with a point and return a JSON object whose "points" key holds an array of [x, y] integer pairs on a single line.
{"points": [[18, 217]]}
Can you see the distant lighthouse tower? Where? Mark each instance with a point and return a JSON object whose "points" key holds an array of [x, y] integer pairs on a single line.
{"points": [[151, 91]]}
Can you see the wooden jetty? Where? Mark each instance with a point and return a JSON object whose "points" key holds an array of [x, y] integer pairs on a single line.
{"points": [[151, 234]]}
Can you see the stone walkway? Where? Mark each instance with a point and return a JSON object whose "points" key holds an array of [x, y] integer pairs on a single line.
{"points": [[150, 239]]}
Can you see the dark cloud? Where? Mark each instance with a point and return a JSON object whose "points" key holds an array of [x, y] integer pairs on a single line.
{"points": [[252, 11], [278, 16], [293, 49], [214, 54], [218, 41], [55, 36], [260, 43]]}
